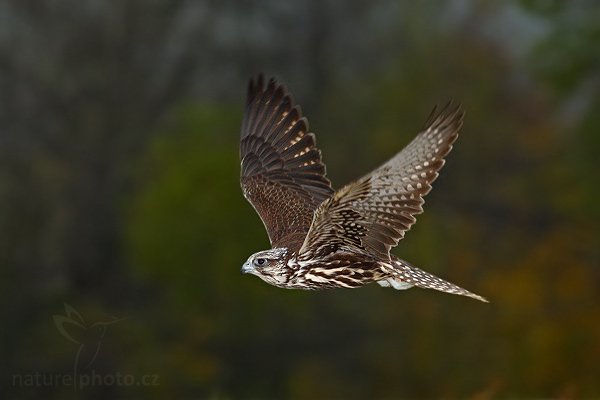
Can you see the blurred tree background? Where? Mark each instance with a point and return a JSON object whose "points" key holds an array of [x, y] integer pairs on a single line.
{"points": [[119, 195]]}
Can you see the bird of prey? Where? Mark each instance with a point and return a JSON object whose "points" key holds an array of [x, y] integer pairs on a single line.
{"points": [[322, 238]]}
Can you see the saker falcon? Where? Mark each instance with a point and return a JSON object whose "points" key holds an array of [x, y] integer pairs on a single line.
{"points": [[322, 238]]}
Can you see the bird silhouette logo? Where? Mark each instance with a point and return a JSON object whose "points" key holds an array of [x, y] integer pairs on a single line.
{"points": [[88, 336]]}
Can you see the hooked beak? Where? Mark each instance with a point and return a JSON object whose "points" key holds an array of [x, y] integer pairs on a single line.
{"points": [[247, 268]]}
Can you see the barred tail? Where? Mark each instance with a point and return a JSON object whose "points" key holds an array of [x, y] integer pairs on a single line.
{"points": [[407, 276]]}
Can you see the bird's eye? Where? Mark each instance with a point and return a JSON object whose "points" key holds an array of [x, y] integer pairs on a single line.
{"points": [[260, 261]]}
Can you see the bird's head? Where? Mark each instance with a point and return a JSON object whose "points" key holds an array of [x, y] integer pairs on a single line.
{"points": [[268, 265]]}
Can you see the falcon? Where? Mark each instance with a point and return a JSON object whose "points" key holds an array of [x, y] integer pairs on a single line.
{"points": [[321, 238]]}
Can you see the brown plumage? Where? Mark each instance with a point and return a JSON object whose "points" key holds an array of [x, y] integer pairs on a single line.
{"points": [[326, 239], [283, 176]]}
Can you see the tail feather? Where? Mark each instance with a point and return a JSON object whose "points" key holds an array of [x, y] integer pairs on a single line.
{"points": [[407, 276]]}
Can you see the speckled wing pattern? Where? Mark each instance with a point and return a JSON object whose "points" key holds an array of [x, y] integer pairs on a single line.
{"points": [[371, 215], [282, 174]]}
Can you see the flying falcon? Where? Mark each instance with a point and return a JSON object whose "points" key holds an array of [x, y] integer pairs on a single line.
{"points": [[322, 238]]}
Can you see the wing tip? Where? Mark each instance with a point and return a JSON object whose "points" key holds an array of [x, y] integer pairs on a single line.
{"points": [[450, 114], [255, 87], [258, 86]]}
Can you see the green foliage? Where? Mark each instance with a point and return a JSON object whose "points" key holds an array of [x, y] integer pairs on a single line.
{"points": [[188, 217], [513, 216]]}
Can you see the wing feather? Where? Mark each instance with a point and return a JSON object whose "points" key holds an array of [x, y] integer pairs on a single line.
{"points": [[282, 174], [372, 214]]}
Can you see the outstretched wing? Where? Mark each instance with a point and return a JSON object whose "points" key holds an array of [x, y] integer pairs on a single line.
{"points": [[282, 174], [371, 215]]}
